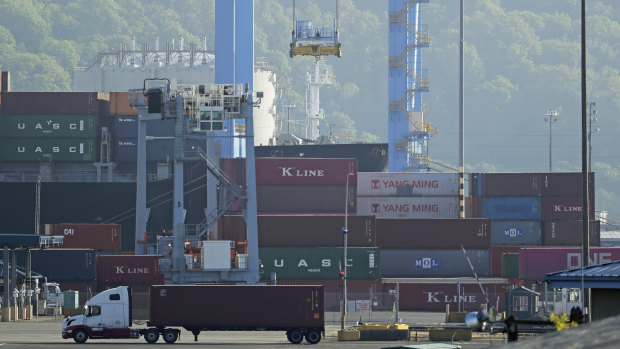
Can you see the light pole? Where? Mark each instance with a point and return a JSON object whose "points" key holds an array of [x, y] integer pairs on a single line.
{"points": [[550, 116], [592, 110], [288, 116], [345, 232]]}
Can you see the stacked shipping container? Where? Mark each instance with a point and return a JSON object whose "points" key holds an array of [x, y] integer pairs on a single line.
{"points": [[530, 209], [298, 185], [408, 195], [50, 126]]}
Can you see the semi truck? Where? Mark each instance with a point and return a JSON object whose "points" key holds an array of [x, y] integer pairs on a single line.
{"points": [[296, 310]]}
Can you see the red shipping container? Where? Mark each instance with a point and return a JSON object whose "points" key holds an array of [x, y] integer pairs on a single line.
{"points": [[129, 270], [430, 295], [570, 233], [296, 171], [99, 237], [535, 263], [564, 208], [496, 258], [472, 233]]}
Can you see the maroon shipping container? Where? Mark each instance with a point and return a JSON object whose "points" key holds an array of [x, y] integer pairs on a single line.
{"points": [[535, 263], [473, 207], [570, 233], [564, 208], [496, 258], [473, 233], [128, 270], [435, 294], [52, 103], [565, 183], [529, 184], [296, 171], [99, 237], [305, 198], [357, 290], [302, 231], [237, 307]]}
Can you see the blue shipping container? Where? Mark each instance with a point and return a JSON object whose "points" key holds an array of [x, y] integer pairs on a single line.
{"points": [[511, 208], [126, 149], [516, 233], [127, 127], [434, 263]]}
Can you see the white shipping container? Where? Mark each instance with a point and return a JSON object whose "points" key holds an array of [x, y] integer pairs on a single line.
{"points": [[408, 207], [407, 184]]}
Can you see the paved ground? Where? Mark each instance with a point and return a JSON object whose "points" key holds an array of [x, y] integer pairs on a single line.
{"points": [[45, 333]]}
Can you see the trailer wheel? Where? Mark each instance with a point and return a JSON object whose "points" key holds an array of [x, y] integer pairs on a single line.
{"points": [[80, 336], [294, 336], [313, 337], [151, 335], [170, 336]]}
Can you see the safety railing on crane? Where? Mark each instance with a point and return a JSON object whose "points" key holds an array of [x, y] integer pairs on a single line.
{"points": [[229, 193]]}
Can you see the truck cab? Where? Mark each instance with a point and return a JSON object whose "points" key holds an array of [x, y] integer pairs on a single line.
{"points": [[53, 295], [107, 315]]}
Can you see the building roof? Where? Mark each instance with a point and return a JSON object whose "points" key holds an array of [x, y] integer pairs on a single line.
{"points": [[18, 241], [597, 276]]}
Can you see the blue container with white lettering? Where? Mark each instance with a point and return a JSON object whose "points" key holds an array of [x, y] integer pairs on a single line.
{"points": [[516, 233], [511, 208], [434, 263]]}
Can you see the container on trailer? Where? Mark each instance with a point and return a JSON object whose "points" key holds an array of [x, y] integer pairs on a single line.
{"points": [[303, 230], [61, 103], [434, 263], [311, 263], [60, 265], [472, 233], [516, 233], [49, 126], [434, 294], [409, 207], [570, 233], [48, 150], [564, 208], [301, 171], [407, 184], [221, 306], [511, 208], [359, 292], [129, 270], [536, 262], [99, 237]]}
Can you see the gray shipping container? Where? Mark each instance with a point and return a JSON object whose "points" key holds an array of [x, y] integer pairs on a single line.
{"points": [[527, 184], [434, 263], [516, 233], [409, 207], [60, 265]]}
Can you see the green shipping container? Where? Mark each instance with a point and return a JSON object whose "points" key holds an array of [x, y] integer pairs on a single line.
{"points": [[71, 299], [48, 126], [510, 265], [47, 150], [319, 263]]}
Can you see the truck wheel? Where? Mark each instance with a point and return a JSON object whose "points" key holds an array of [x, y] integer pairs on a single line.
{"points": [[170, 336], [80, 336], [294, 336], [313, 337], [151, 335]]}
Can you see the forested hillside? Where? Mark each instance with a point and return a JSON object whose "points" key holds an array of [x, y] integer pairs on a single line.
{"points": [[521, 59]]}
